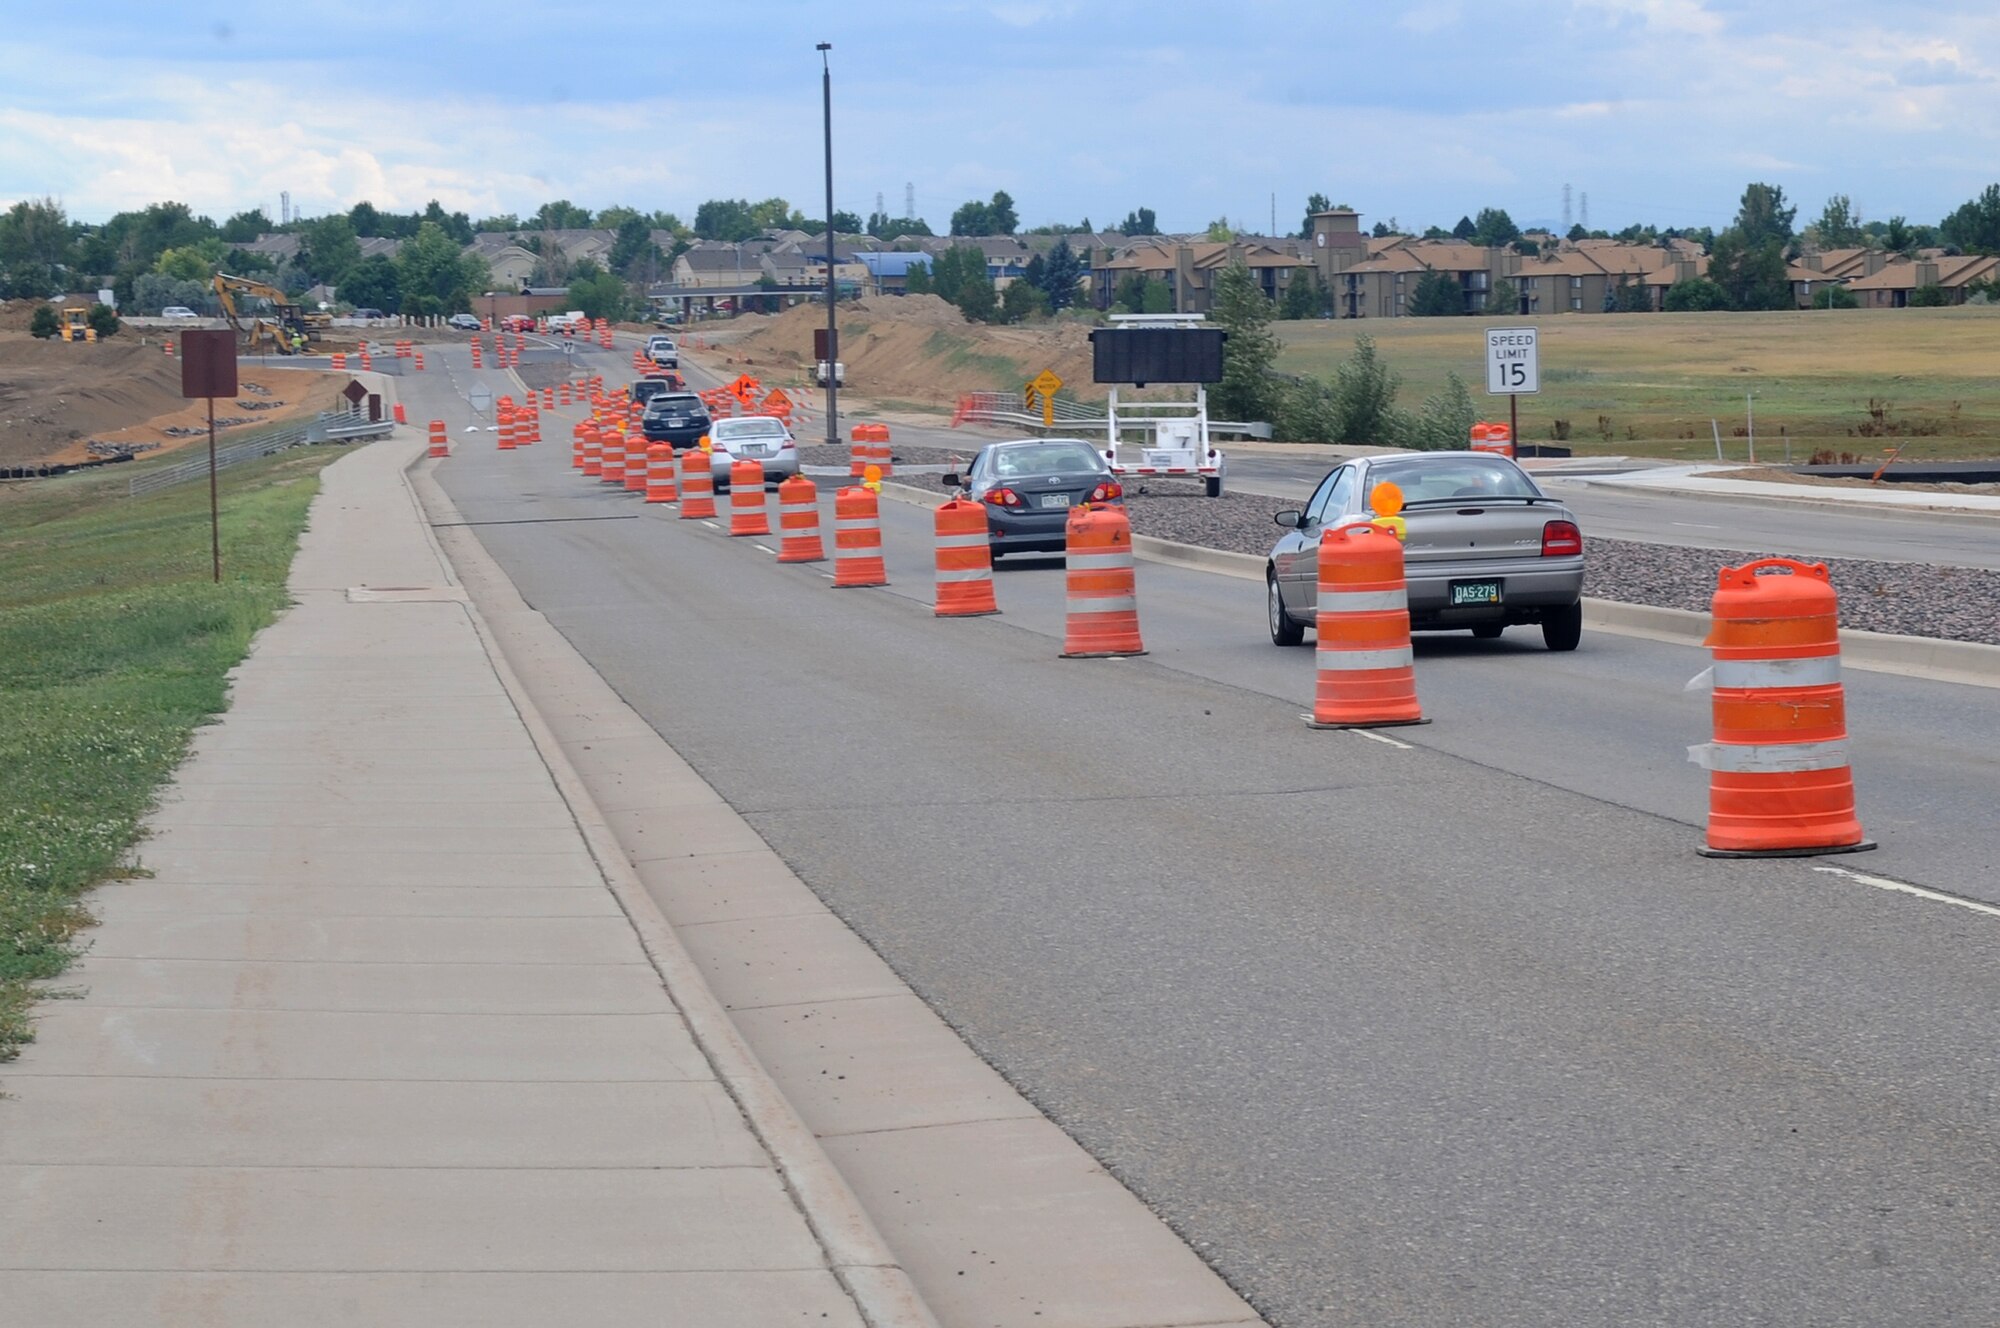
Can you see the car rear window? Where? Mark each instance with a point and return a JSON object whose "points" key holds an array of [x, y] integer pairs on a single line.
{"points": [[751, 429], [1446, 479], [1044, 459], [676, 403]]}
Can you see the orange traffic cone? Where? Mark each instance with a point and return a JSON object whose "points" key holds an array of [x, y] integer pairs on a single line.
{"points": [[1367, 674], [857, 540], [1102, 616], [747, 514], [964, 561], [1779, 780], [798, 522]]}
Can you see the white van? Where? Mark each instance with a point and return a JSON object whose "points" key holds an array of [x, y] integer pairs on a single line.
{"points": [[573, 321]]}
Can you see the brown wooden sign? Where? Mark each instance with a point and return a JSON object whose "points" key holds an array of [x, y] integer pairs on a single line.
{"points": [[208, 363]]}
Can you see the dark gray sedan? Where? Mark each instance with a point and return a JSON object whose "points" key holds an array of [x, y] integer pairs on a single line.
{"points": [[1030, 486], [1486, 549]]}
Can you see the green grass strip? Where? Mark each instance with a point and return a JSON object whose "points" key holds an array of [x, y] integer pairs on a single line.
{"points": [[114, 644]]}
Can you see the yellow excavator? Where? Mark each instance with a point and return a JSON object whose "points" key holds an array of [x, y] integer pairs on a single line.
{"points": [[275, 329]]}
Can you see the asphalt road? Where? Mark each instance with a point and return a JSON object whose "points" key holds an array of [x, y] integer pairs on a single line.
{"points": [[1460, 1030]]}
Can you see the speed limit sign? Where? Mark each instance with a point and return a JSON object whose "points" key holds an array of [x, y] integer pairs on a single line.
{"points": [[1512, 363]]}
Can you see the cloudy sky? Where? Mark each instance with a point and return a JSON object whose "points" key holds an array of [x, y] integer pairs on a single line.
{"points": [[1657, 110]]}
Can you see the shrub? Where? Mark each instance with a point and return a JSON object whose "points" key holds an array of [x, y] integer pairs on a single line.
{"points": [[1695, 295], [1929, 297], [1444, 423], [1835, 297], [44, 323], [104, 321]]}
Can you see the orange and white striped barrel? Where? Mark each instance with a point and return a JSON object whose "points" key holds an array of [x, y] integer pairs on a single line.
{"points": [[339, 360], [747, 512], [476, 363], [367, 361], [1779, 779], [563, 394], [168, 346], [613, 470], [798, 522], [697, 483], [439, 446], [660, 486], [635, 463], [417, 361], [576, 444], [593, 452], [857, 540], [507, 441], [964, 560], [1367, 671], [1101, 584]]}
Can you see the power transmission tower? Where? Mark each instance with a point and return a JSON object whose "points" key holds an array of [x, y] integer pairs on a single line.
{"points": [[878, 200], [285, 207], [1583, 210], [1566, 211], [909, 200]]}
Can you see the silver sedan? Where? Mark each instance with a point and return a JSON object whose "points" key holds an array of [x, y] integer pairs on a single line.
{"points": [[1486, 549]]}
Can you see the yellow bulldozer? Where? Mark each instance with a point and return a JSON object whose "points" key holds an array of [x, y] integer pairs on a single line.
{"points": [[277, 323], [76, 324]]}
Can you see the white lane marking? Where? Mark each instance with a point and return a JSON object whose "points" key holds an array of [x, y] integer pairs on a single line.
{"points": [[1904, 888], [768, 549], [1694, 525], [1380, 737], [712, 525]]}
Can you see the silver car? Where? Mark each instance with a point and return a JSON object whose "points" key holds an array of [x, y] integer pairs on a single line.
{"points": [[760, 438], [1486, 549]]}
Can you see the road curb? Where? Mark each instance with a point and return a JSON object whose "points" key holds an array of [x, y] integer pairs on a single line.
{"points": [[1715, 492], [855, 1251]]}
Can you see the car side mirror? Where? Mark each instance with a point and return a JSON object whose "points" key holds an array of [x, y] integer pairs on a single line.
{"points": [[949, 479], [1291, 518]]}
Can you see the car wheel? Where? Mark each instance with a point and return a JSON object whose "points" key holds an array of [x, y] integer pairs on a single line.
{"points": [[1285, 629], [1563, 628], [1488, 631]]}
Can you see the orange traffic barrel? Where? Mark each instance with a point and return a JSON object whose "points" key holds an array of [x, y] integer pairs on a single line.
{"points": [[1367, 671], [1779, 783], [613, 471], [339, 360], [636, 464], [660, 487], [593, 451], [697, 483], [964, 560], [562, 394], [798, 522], [439, 446], [400, 417], [747, 513], [1102, 616], [857, 539], [417, 360], [1493, 437], [507, 443], [168, 345]]}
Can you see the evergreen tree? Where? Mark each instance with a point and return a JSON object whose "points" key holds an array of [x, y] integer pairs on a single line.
{"points": [[1435, 295], [1060, 275], [1248, 390], [1465, 229]]}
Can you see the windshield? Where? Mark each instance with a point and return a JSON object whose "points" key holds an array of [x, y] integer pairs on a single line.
{"points": [[1044, 459], [1452, 479], [750, 429], [665, 404]]}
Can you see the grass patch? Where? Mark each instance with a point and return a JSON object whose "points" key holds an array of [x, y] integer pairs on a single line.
{"points": [[114, 645], [957, 352], [1649, 384]]}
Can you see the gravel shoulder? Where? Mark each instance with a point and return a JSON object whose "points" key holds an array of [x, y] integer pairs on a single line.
{"points": [[1950, 603]]}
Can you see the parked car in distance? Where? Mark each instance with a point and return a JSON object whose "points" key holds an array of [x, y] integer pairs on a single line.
{"points": [[760, 438], [1485, 548], [678, 418], [180, 313], [370, 314], [462, 322], [517, 323], [1030, 485], [667, 318], [662, 351]]}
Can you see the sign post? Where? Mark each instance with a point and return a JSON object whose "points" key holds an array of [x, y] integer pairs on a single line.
{"points": [[1045, 385], [208, 370], [1513, 370]]}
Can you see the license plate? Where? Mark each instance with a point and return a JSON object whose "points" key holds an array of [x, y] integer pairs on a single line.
{"points": [[1473, 594], [751, 451], [677, 423], [1159, 459], [1055, 500]]}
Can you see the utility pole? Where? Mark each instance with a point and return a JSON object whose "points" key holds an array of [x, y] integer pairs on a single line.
{"points": [[832, 288]]}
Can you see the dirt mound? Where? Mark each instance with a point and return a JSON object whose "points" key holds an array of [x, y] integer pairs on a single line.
{"points": [[57, 397], [918, 348], [16, 314]]}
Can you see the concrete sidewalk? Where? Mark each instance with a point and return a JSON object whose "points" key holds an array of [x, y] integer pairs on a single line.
{"points": [[378, 1042]]}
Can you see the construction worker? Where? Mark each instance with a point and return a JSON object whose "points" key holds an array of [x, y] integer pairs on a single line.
{"points": [[298, 342]]}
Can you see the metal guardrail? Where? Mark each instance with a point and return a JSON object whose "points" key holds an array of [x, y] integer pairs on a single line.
{"points": [[1000, 408], [323, 429]]}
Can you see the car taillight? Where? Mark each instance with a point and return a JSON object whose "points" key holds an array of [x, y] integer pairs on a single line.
{"points": [[1106, 491], [1003, 497], [1561, 539]]}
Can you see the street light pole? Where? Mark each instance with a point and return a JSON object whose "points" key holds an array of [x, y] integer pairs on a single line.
{"points": [[832, 344]]}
